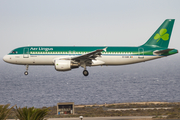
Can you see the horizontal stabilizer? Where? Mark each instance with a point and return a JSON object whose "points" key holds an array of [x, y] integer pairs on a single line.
{"points": [[160, 52]]}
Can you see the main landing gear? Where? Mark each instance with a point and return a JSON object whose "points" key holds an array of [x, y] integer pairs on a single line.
{"points": [[85, 73], [26, 72]]}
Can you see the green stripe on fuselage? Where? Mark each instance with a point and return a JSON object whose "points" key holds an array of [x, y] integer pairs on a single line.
{"points": [[79, 50]]}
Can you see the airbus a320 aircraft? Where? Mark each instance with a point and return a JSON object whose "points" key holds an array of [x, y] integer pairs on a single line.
{"points": [[65, 58]]}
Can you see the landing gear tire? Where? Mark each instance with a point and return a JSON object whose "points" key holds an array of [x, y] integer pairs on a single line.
{"points": [[26, 73], [85, 73]]}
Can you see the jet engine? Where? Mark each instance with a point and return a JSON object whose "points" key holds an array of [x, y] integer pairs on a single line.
{"points": [[64, 65]]}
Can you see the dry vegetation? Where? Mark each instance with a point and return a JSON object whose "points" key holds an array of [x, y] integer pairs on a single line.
{"points": [[101, 111]]}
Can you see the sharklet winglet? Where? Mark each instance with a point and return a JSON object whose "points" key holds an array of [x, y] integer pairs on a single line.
{"points": [[105, 49]]}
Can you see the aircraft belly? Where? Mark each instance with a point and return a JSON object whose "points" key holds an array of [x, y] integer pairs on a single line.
{"points": [[42, 60], [106, 60], [32, 60], [123, 60]]}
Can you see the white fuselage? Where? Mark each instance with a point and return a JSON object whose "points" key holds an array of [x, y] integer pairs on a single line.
{"points": [[49, 59]]}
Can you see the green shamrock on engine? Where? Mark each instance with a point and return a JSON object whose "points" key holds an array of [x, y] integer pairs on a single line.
{"points": [[162, 34]]}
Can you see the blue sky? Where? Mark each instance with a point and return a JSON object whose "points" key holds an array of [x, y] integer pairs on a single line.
{"points": [[84, 22]]}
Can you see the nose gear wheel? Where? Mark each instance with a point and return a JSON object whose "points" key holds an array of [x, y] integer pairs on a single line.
{"points": [[26, 73]]}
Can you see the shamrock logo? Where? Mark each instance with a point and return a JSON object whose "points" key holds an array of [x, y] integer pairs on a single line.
{"points": [[162, 34]]}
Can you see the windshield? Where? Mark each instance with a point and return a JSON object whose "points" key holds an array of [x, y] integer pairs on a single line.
{"points": [[13, 52]]}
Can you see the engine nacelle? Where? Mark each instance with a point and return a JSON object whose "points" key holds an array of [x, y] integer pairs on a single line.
{"points": [[64, 65]]}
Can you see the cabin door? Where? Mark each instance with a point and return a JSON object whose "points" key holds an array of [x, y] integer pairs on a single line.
{"points": [[141, 53], [26, 53]]}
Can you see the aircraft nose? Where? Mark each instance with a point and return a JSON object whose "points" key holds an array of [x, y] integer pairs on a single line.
{"points": [[5, 58]]}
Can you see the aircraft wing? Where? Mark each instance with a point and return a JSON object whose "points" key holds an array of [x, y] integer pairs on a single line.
{"points": [[89, 56], [160, 52]]}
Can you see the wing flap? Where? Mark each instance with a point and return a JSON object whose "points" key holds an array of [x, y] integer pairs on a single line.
{"points": [[89, 56]]}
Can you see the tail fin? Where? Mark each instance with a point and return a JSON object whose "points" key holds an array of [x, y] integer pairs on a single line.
{"points": [[162, 35]]}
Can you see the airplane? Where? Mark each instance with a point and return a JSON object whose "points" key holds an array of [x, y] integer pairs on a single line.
{"points": [[65, 58]]}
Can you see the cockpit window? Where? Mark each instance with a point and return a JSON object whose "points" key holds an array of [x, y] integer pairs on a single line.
{"points": [[14, 52]]}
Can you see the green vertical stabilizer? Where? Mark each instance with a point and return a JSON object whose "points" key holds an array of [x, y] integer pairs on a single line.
{"points": [[162, 35]]}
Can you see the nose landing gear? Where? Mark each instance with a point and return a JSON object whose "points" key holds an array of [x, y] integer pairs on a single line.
{"points": [[26, 72]]}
